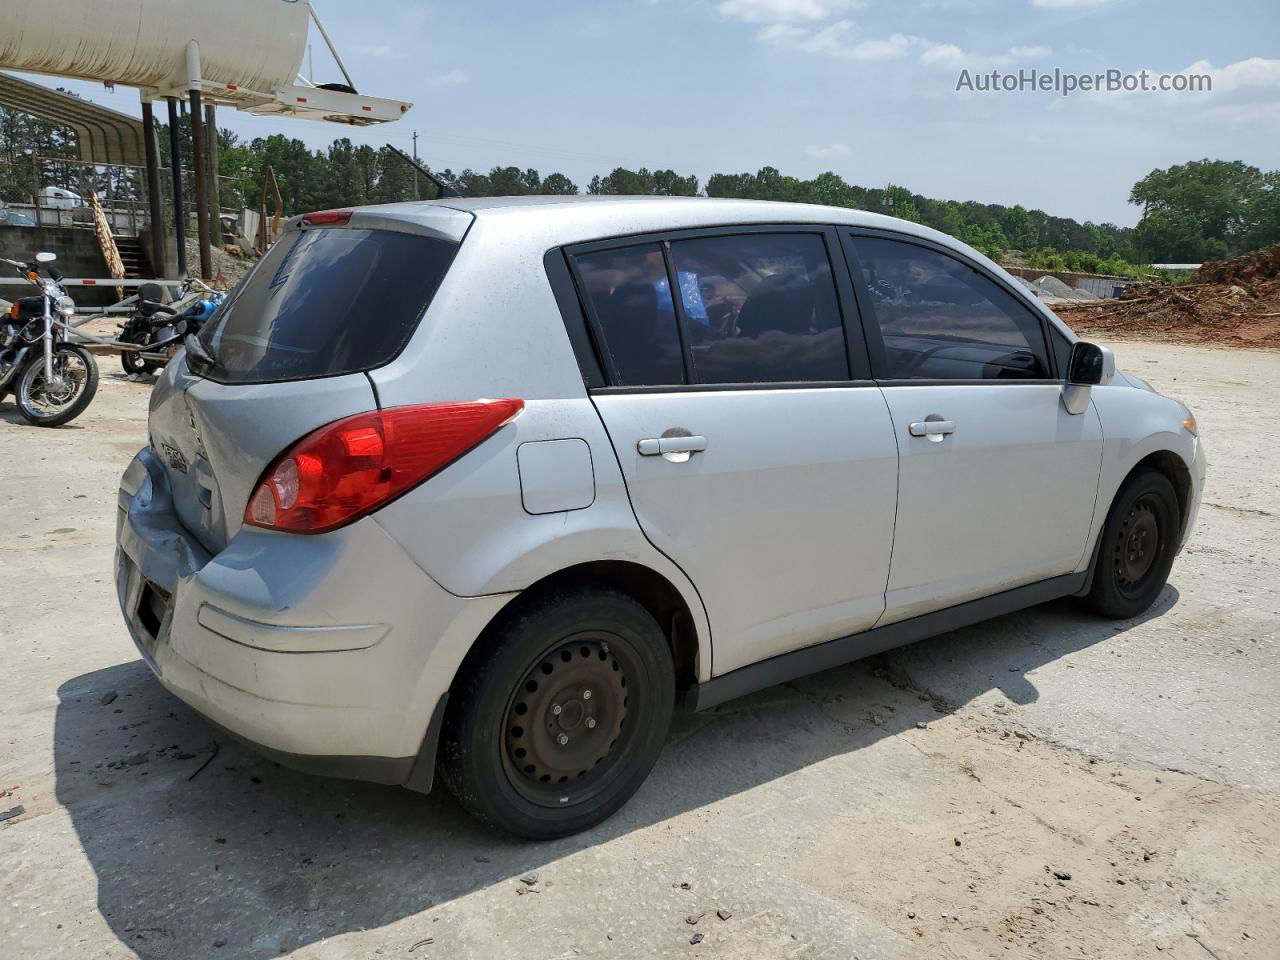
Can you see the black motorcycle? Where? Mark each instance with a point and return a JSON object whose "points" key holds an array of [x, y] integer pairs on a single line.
{"points": [[159, 329], [53, 380]]}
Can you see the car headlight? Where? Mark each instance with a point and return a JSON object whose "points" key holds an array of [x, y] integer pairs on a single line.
{"points": [[1189, 424], [64, 306]]}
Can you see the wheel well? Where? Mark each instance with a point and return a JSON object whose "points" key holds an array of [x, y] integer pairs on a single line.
{"points": [[1170, 464], [647, 587]]}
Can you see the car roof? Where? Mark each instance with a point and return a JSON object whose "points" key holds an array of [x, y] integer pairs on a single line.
{"points": [[588, 216], [674, 209]]}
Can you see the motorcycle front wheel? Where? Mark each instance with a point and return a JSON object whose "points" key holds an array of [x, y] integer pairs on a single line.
{"points": [[51, 403]]}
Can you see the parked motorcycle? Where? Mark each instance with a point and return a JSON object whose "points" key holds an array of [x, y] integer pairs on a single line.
{"points": [[160, 328], [53, 380]]}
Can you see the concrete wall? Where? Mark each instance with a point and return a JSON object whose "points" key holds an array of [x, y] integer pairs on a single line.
{"points": [[78, 256]]}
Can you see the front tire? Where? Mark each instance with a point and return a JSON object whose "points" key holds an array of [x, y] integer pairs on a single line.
{"points": [[53, 404], [559, 718], [1139, 542]]}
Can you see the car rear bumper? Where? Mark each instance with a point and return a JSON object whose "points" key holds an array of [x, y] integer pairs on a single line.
{"points": [[331, 653]]}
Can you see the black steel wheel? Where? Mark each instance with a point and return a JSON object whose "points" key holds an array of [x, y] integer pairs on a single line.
{"points": [[565, 720], [1139, 542], [559, 718], [1138, 546]]}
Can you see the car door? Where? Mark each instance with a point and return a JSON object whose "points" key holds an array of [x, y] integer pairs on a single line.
{"points": [[754, 456], [996, 480]]}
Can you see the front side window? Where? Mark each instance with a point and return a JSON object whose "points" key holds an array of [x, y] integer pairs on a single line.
{"points": [[627, 292], [760, 308], [940, 319]]}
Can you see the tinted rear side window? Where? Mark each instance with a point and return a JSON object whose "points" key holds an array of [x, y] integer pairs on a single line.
{"points": [[627, 291], [324, 302], [761, 308]]}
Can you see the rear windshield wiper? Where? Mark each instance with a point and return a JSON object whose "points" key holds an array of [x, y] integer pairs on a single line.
{"points": [[199, 359]]}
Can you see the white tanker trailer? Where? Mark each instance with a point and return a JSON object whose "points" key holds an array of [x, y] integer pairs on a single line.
{"points": [[245, 53]]}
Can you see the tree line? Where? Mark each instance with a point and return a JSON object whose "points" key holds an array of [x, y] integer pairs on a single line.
{"points": [[1205, 209]]}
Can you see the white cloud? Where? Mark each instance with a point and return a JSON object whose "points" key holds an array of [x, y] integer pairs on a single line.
{"points": [[839, 40], [826, 153], [1066, 4], [1256, 73], [448, 78], [1232, 92], [948, 56], [896, 45], [785, 11], [381, 51]]}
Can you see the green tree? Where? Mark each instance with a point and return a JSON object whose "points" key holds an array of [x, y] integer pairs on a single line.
{"points": [[558, 183], [1175, 236], [644, 182], [902, 204], [1217, 200]]}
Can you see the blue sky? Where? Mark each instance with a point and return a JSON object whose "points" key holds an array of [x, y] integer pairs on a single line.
{"points": [[862, 87]]}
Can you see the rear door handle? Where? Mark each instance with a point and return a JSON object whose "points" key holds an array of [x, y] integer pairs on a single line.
{"points": [[661, 446], [933, 429]]}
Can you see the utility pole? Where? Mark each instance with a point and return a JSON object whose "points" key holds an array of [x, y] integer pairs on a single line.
{"points": [[415, 166]]}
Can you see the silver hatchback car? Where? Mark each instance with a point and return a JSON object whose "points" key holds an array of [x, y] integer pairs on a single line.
{"points": [[489, 486]]}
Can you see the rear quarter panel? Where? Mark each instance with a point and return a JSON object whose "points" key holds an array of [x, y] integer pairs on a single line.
{"points": [[494, 329]]}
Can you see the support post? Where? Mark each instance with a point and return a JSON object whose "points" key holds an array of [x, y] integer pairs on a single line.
{"points": [[179, 208], [159, 264], [198, 149], [215, 200], [202, 186]]}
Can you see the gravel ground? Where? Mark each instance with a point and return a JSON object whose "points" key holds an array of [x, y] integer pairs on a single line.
{"points": [[1046, 785]]}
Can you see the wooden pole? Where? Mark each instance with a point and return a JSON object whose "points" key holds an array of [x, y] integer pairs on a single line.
{"points": [[179, 211], [202, 185], [215, 203], [159, 258]]}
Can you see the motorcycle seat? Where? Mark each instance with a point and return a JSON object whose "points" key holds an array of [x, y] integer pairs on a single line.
{"points": [[149, 308]]}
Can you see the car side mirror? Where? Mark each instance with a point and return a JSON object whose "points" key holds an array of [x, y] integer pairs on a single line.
{"points": [[1090, 365], [46, 257]]}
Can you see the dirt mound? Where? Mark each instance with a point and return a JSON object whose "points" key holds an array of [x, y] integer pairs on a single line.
{"points": [[1263, 265], [1232, 302]]}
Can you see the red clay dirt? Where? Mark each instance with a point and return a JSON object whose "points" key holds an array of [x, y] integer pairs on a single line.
{"points": [[1227, 302]]}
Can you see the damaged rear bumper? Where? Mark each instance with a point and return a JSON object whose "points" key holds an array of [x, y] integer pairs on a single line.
{"points": [[330, 654]]}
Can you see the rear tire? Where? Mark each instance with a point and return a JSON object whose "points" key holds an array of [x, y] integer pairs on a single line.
{"points": [[1138, 544], [133, 363], [561, 716]]}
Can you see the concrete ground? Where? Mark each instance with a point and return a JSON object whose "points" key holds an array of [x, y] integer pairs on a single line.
{"points": [[931, 804]]}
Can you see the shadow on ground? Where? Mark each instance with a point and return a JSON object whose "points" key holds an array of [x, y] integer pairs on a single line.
{"points": [[9, 413], [253, 858]]}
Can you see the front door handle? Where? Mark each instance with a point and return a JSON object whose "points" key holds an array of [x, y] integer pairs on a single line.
{"points": [[933, 427], [663, 446]]}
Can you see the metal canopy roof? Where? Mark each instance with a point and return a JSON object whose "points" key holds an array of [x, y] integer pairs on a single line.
{"points": [[102, 135]]}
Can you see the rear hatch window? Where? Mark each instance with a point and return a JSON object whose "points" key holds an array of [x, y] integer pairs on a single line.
{"points": [[324, 302]]}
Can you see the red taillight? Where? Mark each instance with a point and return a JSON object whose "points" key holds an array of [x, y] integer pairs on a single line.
{"points": [[14, 310], [351, 467], [327, 218]]}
